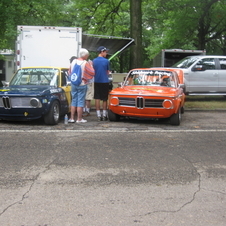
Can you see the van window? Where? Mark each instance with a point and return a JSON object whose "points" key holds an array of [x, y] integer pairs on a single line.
{"points": [[207, 63], [222, 63]]}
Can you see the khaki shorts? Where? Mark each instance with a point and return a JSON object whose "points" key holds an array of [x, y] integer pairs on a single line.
{"points": [[90, 91]]}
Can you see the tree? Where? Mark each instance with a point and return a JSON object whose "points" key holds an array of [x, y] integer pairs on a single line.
{"points": [[136, 53], [188, 24], [154, 24], [27, 12]]}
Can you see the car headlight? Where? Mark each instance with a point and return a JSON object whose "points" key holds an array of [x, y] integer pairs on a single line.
{"points": [[34, 102], [167, 104], [114, 101]]}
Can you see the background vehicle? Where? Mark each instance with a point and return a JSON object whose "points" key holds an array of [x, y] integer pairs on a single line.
{"points": [[168, 57], [149, 93], [47, 46], [36, 92], [204, 75]]}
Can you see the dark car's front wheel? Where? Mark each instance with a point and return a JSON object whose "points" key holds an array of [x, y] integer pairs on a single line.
{"points": [[112, 116], [175, 119], [53, 116]]}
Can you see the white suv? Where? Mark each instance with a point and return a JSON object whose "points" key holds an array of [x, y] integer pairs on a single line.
{"points": [[204, 75]]}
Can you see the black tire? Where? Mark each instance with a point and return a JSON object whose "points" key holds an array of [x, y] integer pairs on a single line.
{"points": [[182, 110], [112, 116], [53, 116], [175, 119]]}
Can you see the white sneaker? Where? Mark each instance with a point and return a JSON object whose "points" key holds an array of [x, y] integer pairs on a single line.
{"points": [[81, 121], [71, 120]]}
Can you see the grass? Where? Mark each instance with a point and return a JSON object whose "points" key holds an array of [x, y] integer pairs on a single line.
{"points": [[205, 102]]}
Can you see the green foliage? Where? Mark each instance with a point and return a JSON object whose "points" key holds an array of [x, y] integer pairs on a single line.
{"points": [[166, 24], [27, 12], [187, 24]]}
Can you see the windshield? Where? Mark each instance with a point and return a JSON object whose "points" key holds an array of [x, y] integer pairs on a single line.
{"points": [[185, 63], [151, 78], [36, 76]]}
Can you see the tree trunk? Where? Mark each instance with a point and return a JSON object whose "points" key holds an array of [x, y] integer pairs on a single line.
{"points": [[136, 33]]}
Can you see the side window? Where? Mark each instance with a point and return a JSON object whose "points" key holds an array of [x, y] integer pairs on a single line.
{"points": [[207, 63], [63, 78], [222, 63]]}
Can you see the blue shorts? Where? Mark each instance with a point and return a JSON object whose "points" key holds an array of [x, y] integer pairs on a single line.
{"points": [[78, 94]]}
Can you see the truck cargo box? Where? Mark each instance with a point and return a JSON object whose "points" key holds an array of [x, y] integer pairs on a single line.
{"points": [[47, 46]]}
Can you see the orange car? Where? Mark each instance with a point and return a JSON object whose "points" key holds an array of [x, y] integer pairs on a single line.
{"points": [[149, 93]]}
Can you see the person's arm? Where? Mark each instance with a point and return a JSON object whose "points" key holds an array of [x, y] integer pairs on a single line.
{"points": [[89, 71]]}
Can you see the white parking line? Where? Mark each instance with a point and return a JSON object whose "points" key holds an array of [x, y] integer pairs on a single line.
{"points": [[114, 131]]}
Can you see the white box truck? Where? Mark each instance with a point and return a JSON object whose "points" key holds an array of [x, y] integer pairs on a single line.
{"points": [[168, 57], [47, 46]]}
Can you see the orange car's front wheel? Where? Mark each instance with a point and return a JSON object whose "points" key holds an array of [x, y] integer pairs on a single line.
{"points": [[175, 119], [112, 116]]}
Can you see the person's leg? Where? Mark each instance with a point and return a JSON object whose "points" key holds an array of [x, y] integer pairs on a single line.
{"points": [[89, 97], [105, 100], [97, 94], [88, 106], [79, 113], [105, 105], [73, 105], [73, 110], [105, 114], [97, 105], [81, 102]]}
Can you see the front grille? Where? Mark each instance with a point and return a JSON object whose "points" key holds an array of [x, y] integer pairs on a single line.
{"points": [[6, 102], [127, 101], [149, 103], [140, 102], [15, 102]]}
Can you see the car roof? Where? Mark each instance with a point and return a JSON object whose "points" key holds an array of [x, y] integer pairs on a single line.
{"points": [[206, 56], [38, 67]]}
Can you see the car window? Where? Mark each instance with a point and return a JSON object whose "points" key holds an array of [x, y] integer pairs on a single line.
{"points": [[222, 63], [185, 63], [207, 63], [151, 78], [64, 76], [36, 76]]}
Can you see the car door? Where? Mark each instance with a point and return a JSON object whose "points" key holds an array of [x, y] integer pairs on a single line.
{"points": [[203, 76], [222, 74], [64, 84]]}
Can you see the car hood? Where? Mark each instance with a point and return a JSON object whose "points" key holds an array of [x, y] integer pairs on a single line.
{"points": [[144, 90], [25, 90]]}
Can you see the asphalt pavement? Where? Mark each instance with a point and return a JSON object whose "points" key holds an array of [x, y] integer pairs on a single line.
{"points": [[131, 172], [191, 119]]}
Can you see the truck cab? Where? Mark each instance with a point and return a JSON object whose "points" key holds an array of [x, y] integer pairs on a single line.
{"points": [[204, 74]]}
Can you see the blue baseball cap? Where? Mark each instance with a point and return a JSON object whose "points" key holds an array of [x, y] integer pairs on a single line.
{"points": [[102, 48]]}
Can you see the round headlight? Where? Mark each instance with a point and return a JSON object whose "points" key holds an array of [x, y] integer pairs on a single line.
{"points": [[167, 104], [114, 101], [34, 102]]}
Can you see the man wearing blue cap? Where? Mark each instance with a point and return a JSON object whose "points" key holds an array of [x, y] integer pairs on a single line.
{"points": [[101, 82]]}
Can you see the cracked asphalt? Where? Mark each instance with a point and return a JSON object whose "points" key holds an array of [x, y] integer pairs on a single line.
{"points": [[132, 172]]}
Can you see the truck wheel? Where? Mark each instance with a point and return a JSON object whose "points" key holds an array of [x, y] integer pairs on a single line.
{"points": [[53, 116], [112, 116], [175, 119], [182, 110]]}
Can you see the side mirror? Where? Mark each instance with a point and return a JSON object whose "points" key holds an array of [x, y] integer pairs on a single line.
{"points": [[68, 83], [181, 86], [199, 68], [4, 83]]}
